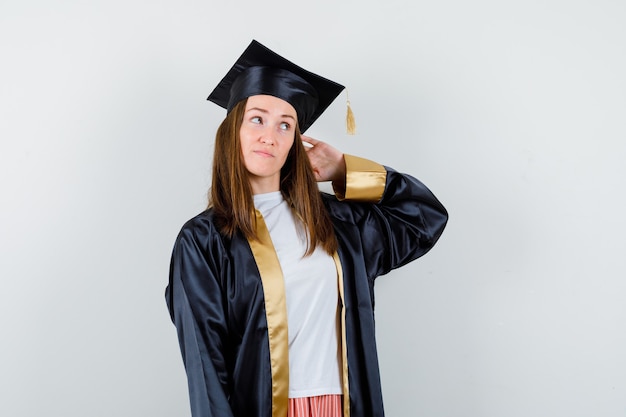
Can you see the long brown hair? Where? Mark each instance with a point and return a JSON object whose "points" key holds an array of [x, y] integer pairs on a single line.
{"points": [[230, 195]]}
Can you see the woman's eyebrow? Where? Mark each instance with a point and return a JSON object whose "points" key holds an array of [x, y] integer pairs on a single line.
{"points": [[259, 109]]}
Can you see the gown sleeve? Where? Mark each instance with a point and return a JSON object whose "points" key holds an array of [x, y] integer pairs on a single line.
{"points": [[196, 306], [397, 218]]}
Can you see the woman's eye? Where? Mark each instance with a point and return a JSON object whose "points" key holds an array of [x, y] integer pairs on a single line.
{"points": [[256, 120], [285, 126]]}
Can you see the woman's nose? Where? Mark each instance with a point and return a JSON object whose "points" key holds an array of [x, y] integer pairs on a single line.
{"points": [[267, 137]]}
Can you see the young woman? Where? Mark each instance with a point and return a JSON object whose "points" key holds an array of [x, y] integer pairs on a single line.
{"points": [[272, 287]]}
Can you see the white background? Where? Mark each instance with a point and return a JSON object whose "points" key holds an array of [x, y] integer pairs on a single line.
{"points": [[513, 113]]}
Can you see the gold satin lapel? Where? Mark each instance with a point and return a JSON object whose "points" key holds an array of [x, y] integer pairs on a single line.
{"points": [[276, 314], [344, 346]]}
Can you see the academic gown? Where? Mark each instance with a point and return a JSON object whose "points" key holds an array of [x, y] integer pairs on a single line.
{"points": [[226, 296]]}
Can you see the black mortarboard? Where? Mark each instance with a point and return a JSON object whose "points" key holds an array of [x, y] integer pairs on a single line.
{"points": [[262, 71]]}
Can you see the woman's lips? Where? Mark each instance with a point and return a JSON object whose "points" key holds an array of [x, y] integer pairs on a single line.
{"points": [[264, 154]]}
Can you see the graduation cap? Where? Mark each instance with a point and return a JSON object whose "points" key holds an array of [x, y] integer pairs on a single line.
{"points": [[260, 70]]}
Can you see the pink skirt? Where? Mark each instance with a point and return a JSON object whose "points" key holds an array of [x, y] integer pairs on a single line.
{"points": [[320, 406]]}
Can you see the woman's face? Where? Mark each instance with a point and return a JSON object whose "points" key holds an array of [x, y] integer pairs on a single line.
{"points": [[267, 134]]}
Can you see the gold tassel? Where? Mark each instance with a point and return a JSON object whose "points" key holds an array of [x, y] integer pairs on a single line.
{"points": [[350, 123]]}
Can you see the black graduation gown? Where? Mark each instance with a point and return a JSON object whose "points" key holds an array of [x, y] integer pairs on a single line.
{"points": [[222, 305]]}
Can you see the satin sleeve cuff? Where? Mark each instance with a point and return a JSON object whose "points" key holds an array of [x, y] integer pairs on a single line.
{"points": [[365, 180]]}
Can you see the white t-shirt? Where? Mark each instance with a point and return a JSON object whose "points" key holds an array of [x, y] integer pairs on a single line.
{"points": [[312, 302]]}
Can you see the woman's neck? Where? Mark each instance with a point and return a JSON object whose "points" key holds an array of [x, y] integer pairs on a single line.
{"points": [[264, 185]]}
